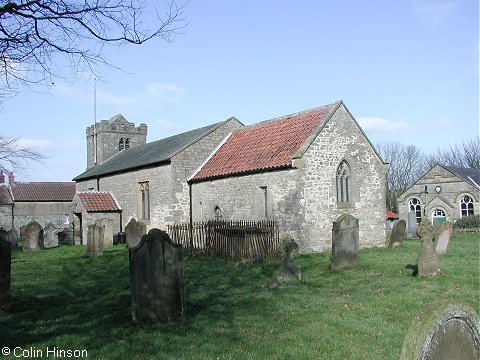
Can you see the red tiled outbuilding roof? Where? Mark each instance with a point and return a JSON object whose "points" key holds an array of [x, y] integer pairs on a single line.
{"points": [[43, 191], [391, 215], [99, 202], [265, 146]]}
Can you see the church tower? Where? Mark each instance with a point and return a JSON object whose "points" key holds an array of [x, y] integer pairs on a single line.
{"points": [[112, 136]]}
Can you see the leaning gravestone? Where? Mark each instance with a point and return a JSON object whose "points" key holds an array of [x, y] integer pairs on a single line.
{"points": [[32, 236], [289, 270], [134, 232], [398, 233], [5, 270], [345, 242], [427, 261], [442, 238], [443, 331], [50, 237], [108, 232], [13, 238], [95, 240], [412, 226], [156, 279]]}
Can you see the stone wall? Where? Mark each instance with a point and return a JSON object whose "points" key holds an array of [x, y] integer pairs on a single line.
{"points": [[303, 200], [447, 199], [6, 217], [55, 212]]}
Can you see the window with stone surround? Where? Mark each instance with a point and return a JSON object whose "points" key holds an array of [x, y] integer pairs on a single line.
{"points": [[415, 206], [343, 182], [466, 206], [217, 213], [144, 188], [124, 144]]}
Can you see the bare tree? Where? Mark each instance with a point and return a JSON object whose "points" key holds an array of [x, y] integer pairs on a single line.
{"points": [[465, 154], [406, 165], [15, 156], [35, 36]]}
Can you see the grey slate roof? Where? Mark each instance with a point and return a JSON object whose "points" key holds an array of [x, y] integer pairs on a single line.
{"points": [[154, 153], [472, 176]]}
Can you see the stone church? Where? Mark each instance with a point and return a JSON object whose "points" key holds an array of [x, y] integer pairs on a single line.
{"points": [[303, 170]]}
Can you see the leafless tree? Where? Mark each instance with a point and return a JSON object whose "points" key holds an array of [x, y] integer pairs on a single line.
{"points": [[36, 36], [15, 156], [464, 154], [406, 165]]}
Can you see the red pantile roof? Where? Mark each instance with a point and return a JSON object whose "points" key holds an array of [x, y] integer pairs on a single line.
{"points": [[43, 191], [99, 201], [391, 215], [265, 146]]}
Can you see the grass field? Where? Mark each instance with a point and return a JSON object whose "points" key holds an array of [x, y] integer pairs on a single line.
{"points": [[64, 301]]}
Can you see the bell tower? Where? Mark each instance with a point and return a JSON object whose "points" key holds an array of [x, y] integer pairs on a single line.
{"points": [[109, 137]]}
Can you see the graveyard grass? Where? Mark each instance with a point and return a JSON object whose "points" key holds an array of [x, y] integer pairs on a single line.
{"points": [[234, 311]]}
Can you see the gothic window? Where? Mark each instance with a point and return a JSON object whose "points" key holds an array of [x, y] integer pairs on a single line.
{"points": [[438, 216], [466, 206], [144, 201], [218, 213], [343, 182], [124, 144], [415, 206]]}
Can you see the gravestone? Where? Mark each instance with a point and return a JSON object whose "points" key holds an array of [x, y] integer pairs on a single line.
{"points": [[134, 232], [398, 233], [427, 261], [443, 331], [345, 242], [13, 238], [412, 226], [32, 236], [289, 270], [50, 237], [156, 279], [108, 232], [5, 270], [442, 238], [95, 240]]}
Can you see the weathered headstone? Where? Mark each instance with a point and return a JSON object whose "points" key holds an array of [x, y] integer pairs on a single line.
{"points": [[345, 242], [13, 238], [443, 331], [5, 270], [442, 238], [398, 233], [412, 225], [95, 240], [427, 261], [32, 236], [108, 233], [289, 270], [134, 232], [50, 237], [156, 278]]}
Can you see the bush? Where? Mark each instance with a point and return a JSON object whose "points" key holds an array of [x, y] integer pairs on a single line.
{"points": [[472, 221]]}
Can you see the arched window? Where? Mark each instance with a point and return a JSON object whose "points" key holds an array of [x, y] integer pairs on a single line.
{"points": [[466, 206], [438, 215], [144, 201], [343, 182], [124, 144], [218, 213], [415, 206]]}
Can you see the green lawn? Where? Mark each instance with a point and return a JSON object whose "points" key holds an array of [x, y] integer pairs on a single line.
{"points": [[234, 311]]}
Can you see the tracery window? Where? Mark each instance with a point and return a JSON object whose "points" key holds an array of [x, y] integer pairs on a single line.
{"points": [[438, 215], [415, 206], [124, 144], [466, 206], [144, 201], [343, 182], [218, 213]]}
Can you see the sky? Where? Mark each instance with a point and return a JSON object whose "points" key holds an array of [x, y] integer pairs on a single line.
{"points": [[407, 70]]}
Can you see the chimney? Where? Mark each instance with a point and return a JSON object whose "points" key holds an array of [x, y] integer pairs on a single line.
{"points": [[2, 177], [11, 178]]}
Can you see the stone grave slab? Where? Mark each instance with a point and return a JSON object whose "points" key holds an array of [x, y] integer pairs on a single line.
{"points": [[442, 238], [32, 236], [134, 232], [398, 233], [156, 278], [427, 261], [50, 237], [108, 232], [412, 226], [289, 270], [95, 240], [345, 242], [443, 331]]}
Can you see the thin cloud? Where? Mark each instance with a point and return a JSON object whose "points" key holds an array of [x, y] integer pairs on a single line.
{"points": [[384, 126], [37, 144], [435, 12], [151, 93]]}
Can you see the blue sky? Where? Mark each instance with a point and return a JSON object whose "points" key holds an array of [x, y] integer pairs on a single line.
{"points": [[407, 70]]}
